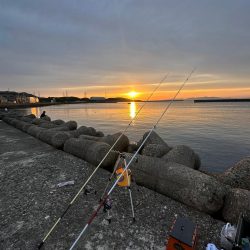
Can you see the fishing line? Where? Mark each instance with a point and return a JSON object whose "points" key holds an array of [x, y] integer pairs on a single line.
{"points": [[98, 166], [131, 160]]}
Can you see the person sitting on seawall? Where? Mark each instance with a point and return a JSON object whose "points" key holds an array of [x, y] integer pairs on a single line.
{"points": [[43, 114]]}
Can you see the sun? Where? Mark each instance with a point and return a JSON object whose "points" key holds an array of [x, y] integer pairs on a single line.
{"points": [[132, 94]]}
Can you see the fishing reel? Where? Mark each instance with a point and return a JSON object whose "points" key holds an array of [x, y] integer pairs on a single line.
{"points": [[106, 208], [107, 205]]}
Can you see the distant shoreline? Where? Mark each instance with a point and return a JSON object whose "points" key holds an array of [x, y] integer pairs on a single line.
{"points": [[44, 104], [26, 105], [222, 100], [41, 104]]}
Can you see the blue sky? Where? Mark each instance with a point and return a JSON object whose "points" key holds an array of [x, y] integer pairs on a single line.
{"points": [[121, 45]]}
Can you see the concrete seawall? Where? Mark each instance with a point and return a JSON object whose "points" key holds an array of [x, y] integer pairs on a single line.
{"points": [[31, 202]]}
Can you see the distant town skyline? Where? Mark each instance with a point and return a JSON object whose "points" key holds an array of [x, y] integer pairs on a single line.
{"points": [[111, 48]]}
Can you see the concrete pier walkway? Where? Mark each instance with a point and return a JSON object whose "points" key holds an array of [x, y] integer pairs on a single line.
{"points": [[30, 202]]}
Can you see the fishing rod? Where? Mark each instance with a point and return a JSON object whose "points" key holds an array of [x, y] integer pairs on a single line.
{"points": [[131, 160], [98, 166]]}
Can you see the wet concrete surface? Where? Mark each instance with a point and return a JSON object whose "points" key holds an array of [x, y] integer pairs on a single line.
{"points": [[30, 202]]}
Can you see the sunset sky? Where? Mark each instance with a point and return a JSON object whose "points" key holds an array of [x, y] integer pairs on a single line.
{"points": [[113, 47]]}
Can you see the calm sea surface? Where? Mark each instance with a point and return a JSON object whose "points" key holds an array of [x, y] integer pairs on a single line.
{"points": [[218, 132]]}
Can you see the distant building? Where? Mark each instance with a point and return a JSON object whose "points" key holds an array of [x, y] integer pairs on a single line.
{"points": [[32, 99], [19, 98], [3, 100], [97, 99], [53, 100]]}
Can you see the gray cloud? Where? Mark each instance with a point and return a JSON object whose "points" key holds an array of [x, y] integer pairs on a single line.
{"points": [[62, 43]]}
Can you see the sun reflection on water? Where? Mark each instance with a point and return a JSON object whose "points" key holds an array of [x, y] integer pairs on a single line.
{"points": [[132, 110], [35, 111]]}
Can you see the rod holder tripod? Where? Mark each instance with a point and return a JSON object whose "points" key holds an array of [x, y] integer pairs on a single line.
{"points": [[125, 182]]}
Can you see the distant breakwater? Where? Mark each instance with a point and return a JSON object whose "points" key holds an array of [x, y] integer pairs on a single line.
{"points": [[222, 100]]}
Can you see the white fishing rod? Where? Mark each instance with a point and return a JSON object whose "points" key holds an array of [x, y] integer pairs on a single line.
{"points": [[99, 165], [131, 160]]}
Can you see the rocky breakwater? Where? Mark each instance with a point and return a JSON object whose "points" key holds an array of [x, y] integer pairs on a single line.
{"points": [[179, 182], [174, 171], [65, 135], [169, 170], [238, 176], [91, 151], [237, 200]]}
